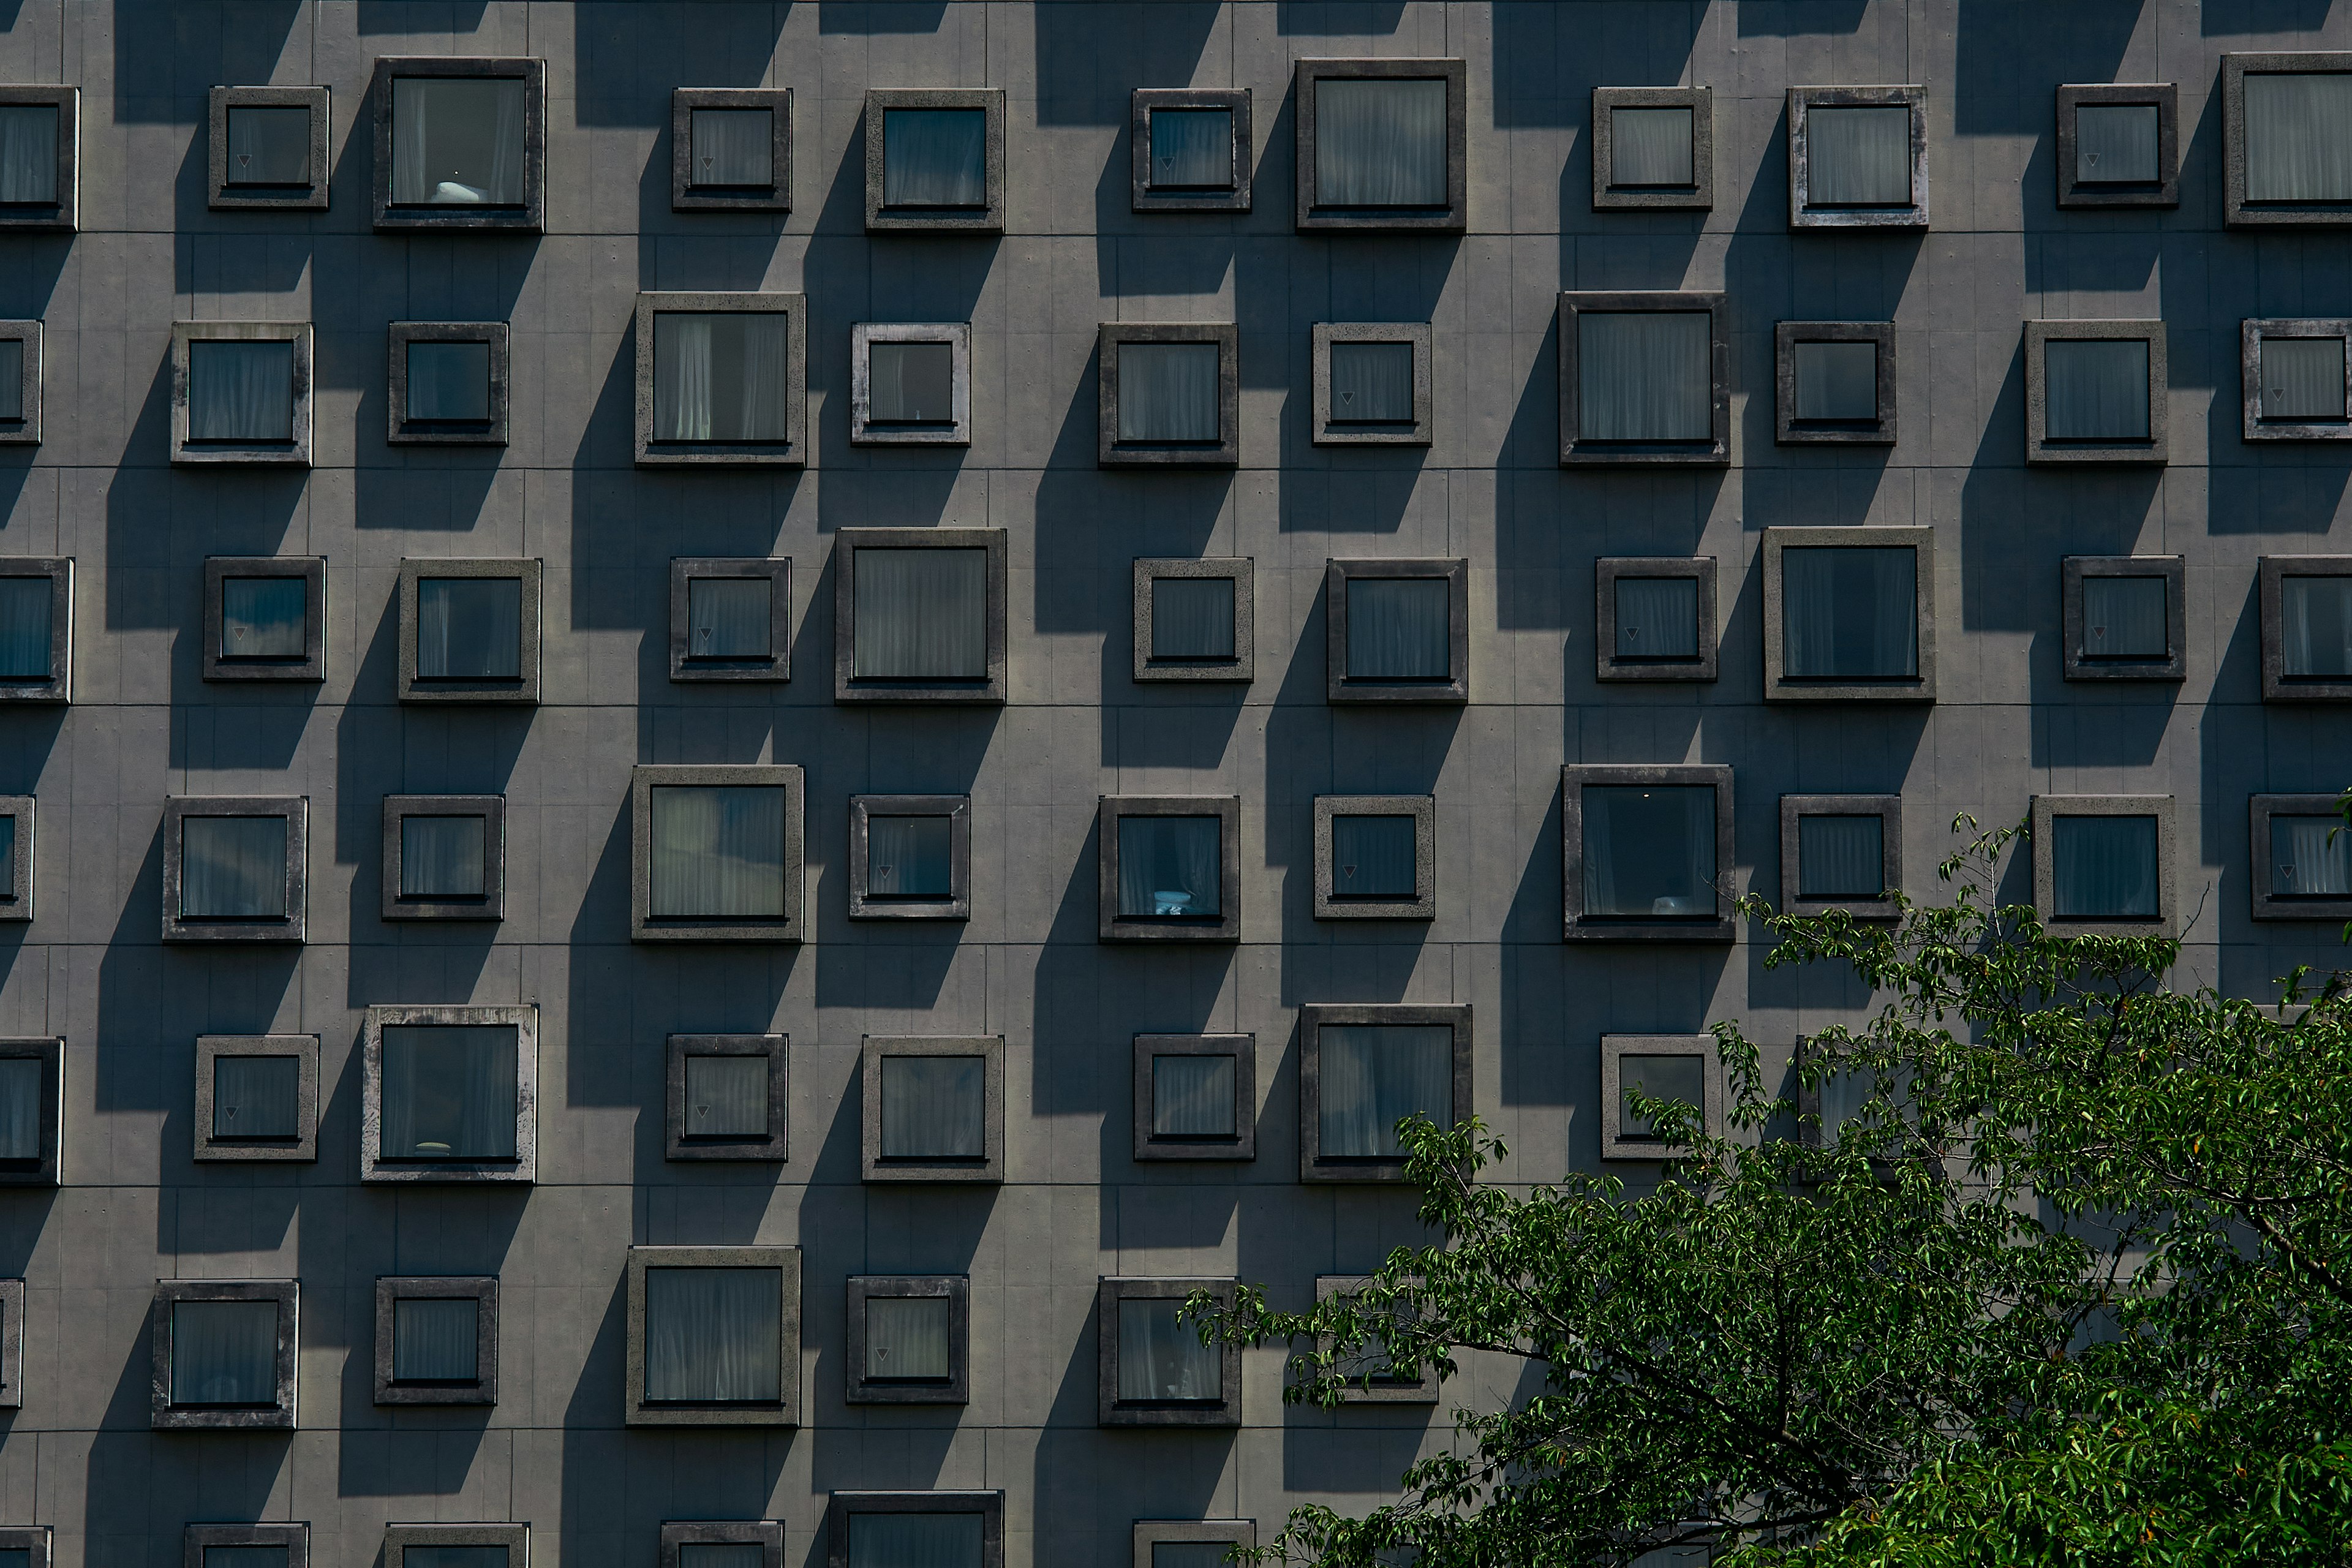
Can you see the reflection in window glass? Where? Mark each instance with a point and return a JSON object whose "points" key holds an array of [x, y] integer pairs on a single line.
{"points": [[1371, 383], [1837, 381], [914, 1540], [1192, 149], [233, 867], [1192, 618], [457, 142], [910, 383], [449, 381], [727, 1097], [436, 1340], [910, 857], [26, 606], [1373, 1075], [20, 1111], [29, 154], [1645, 376], [2311, 858], [2124, 618], [470, 629], [2315, 626], [2115, 143], [2298, 136], [2105, 868], [224, 1352], [1650, 148], [935, 157], [906, 1338], [721, 375], [1170, 867], [1160, 1359], [1649, 850], [268, 144], [1840, 856], [733, 148], [1857, 155], [718, 852], [257, 1099], [2303, 379], [263, 617], [240, 391], [1168, 392], [1379, 143], [1657, 618], [1373, 857], [1850, 611], [1399, 628], [1192, 1097], [449, 1091], [921, 613], [443, 857], [934, 1107], [1679, 1079], [2096, 389], [729, 617]]}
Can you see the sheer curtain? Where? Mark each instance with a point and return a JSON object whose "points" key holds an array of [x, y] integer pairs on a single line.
{"points": [[1840, 856], [12, 391], [729, 617], [1373, 1075], [1192, 148], [1168, 392], [2124, 618], [1192, 1097], [933, 1108], [907, 1338], [713, 1335], [2298, 136], [262, 617], [1857, 155], [1680, 1079], [29, 154], [910, 857], [2315, 626], [1170, 867], [256, 1097], [922, 614], [1850, 611], [682, 375], [449, 381], [456, 142], [1379, 143], [717, 851], [727, 1097], [1645, 376], [1649, 850], [1372, 382], [442, 857], [233, 867], [269, 145], [2115, 144], [1837, 380], [24, 607], [240, 391], [1399, 628], [1373, 857], [1160, 1359], [224, 1352], [470, 629], [914, 1540], [1657, 617], [2303, 378], [2095, 389], [1192, 617], [2105, 868], [734, 147], [20, 1107], [449, 1091], [935, 157], [909, 383], [435, 1340], [2310, 857], [720, 376], [1649, 147]]}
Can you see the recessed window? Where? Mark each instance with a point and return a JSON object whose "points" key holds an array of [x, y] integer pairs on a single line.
{"points": [[436, 1340], [444, 857], [233, 868], [730, 149], [934, 1108], [1841, 852], [1655, 618], [1195, 1097], [1191, 1544], [265, 617], [936, 1529], [714, 1336], [2306, 627], [268, 149], [32, 1074], [16, 858], [1678, 1068], [1397, 631], [1857, 157], [910, 383], [1647, 852], [910, 857], [731, 618], [1167, 395], [2285, 121], [910, 1339], [256, 1098], [1154, 1369], [2095, 392], [1653, 148], [1849, 615], [727, 1097], [722, 378], [1195, 619], [40, 162], [2118, 146], [449, 383], [2295, 379], [1372, 382], [223, 1355], [2301, 857], [1364, 1070], [460, 143], [469, 631], [1381, 144], [36, 629], [2125, 617], [717, 853], [241, 392], [1836, 382], [935, 159], [1375, 858], [1192, 148], [2103, 865], [1170, 868], [456, 1545], [1638, 379], [451, 1094], [920, 615], [20, 383]]}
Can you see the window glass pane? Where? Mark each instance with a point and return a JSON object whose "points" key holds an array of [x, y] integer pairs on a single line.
{"points": [[734, 147], [1161, 1359], [443, 857], [449, 381], [1379, 143], [1680, 1079], [935, 157], [1850, 611], [729, 617], [8, 878], [2303, 378], [29, 154], [233, 867], [717, 851], [2310, 857], [1857, 155], [268, 144], [720, 376], [262, 617], [922, 614], [933, 1108], [240, 391], [256, 1097], [2096, 389], [2115, 143], [243, 1557], [456, 142], [1399, 628], [1192, 617], [1645, 376], [2105, 868], [1192, 1097], [1373, 1075], [20, 1107], [910, 857], [12, 397], [914, 1540], [452, 1557], [24, 607], [224, 1352], [1649, 849], [435, 1340], [1193, 148], [1373, 857], [470, 629], [910, 383], [1837, 380], [906, 1338], [727, 1097], [2124, 618], [722, 1554], [449, 1091], [2315, 629], [713, 1335], [1168, 392], [1191, 1553], [2298, 136], [1840, 856], [1657, 617], [15, 1557], [1649, 147], [1371, 383], [1169, 867]]}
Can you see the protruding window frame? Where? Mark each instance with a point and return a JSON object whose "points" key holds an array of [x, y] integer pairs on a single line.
{"points": [[2046, 808], [874, 1049], [1575, 924], [954, 431], [768, 1534], [881, 218], [1422, 1389], [1700, 569], [529, 218], [1422, 337], [312, 570], [482, 1290], [17, 905], [1787, 430], [679, 1146], [778, 572], [63, 215], [638, 1411], [1313, 1166], [1888, 808], [492, 904], [58, 687], [2154, 451], [1422, 810], [49, 1050], [1241, 571], [520, 1171], [165, 1417], [2271, 574], [847, 685], [303, 1148], [2252, 335], [794, 450], [399, 1538], [1921, 540], [294, 452], [2267, 904], [1144, 101], [863, 904], [403, 431], [221, 197], [1339, 687], [1110, 452], [1609, 196], [1614, 1048], [2078, 664], [2237, 211], [1801, 101], [1241, 1148], [1312, 217], [841, 1505], [27, 433], [196, 1538], [1110, 1292], [2164, 97], [1576, 450], [1150, 1533], [523, 687], [789, 928], [955, 1289], [293, 926], [684, 195], [1112, 926]]}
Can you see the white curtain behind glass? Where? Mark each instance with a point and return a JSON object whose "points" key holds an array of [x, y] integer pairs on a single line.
{"points": [[1168, 392], [933, 1108], [2298, 136], [1649, 849], [233, 867], [1192, 1097], [435, 1340], [2115, 143], [910, 383], [1169, 866], [727, 1097], [1837, 380], [2310, 857], [1645, 376], [1379, 143], [2105, 868], [1192, 148], [910, 857], [1373, 1075], [2303, 378], [224, 1352], [720, 376], [1840, 856], [907, 1338], [713, 1335], [1161, 1359], [1857, 155], [1649, 147], [25, 604], [728, 617], [240, 391], [914, 1540], [1373, 857], [456, 142], [921, 613], [12, 387], [1850, 611], [29, 154], [262, 617], [1399, 628], [1371, 383], [256, 1097], [1680, 1079], [734, 147], [442, 857], [470, 629], [449, 1091], [2096, 389], [20, 1107], [1657, 617], [2124, 618], [935, 157], [449, 381], [717, 851], [1192, 617], [2315, 629]]}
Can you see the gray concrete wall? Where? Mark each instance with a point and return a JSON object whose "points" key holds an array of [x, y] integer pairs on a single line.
{"points": [[134, 1209]]}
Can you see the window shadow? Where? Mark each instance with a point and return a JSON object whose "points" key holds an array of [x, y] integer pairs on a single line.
{"points": [[879, 16], [1337, 18], [36, 261], [2009, 62], [626, 58], [420, 16], [1086, 69], [1546, 60], [162, 47], [2263, 16], [1080, 560], [1801, 18]]}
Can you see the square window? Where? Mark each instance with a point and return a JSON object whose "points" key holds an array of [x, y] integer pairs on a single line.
{"points": [[32, 1080], [451, 1094], [1842, 852], [910, 1339], [1655, 618], [451, 384], [721, 379], [1195, 619], [36, 629], [937, 1529], [1647, 852], [1642, 379], [469, 631], [1168, 395], [910, 383], [234, 867], [2095, 392], [2103, 865], [1653, 148], [1194, 149], [1191, 1544], [223, 1355], [1372, 382], [1195, 1097], [444, 857], [1857, 157], [241, 392], [1363, 1069], [246, 1546], [1396, 631], [1152, 1369], [268, 149], [717, 852], [730, 150], [1381, 145], [1849, 615], [20, 383], [1169, 869], [2301, 856], [1375, 856], [265, 617], [2306, 627], [1835, 382], [16, 857], [919, 615], [2296, 380], [731, 618], [728, 1096], [1372, 1379], [2125, 619], [1831, 1100], [935, 160], [933, 1109], [436, 1340], [40, 161], [2119, 146], [460, 143], [2282, 116], [457, 1546], [1677, 1067], [733, 1543], [714, 1336], [910, 857], [256, 1098]]}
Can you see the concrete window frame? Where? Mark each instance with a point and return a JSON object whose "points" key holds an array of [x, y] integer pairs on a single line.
{"points": [[312, 570], [1778, 686], [25, 430], [684, 571], [210, 1146], [62, 217], [1110, 452], [33, 1539], [1607, 196], [2082, 664], [49, 1050], [1339, 686], [223, 197], [767, 1534], [492, 904], [293, 926], [166, 1416], [1330, 904], [682, 1145], [2252, 335], [2048, 808], [2269, 902], [403, 431], [955, 1291], [2270, 576], [1112, 925], [197, 1539], [1152, 1532], [1149, 1145], [883, 218], [1802, 214], [785, 1411], [1420, 337], [58, 687], [1790, 431], [791, 927], [1233, 198], [684, 195], [2039, 449], [1241, 571], [1313, 1164], [1111, 1292], [293, 452], [1608, 664], [1575, 924], [12, 1372], [2164, 97], [1422, 1390], [1614, 1050], [523, 687], [1811, 1130], [1575, 450], [873, 1050], [792, 451], [843, 1507], [527, 217], [864, 904], [1886, 808], [399, 1538], [1313, 216], [522, 1170], [482, 1290], [953, 431], [16, 893], [2238, 210], [850, 687]]}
